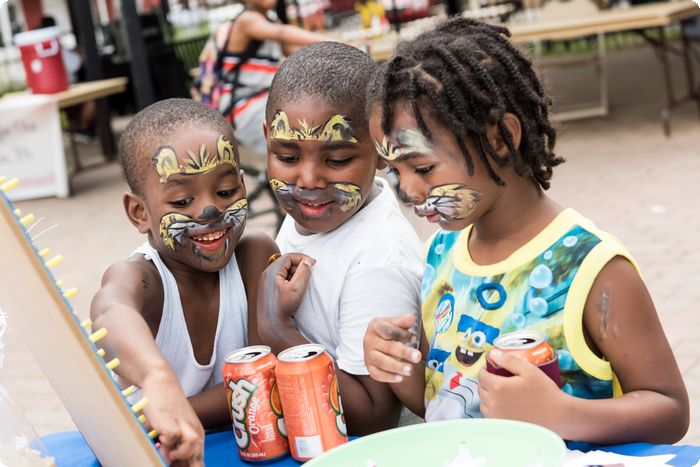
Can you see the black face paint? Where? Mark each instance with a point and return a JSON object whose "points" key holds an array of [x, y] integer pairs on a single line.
{"points": [[346, 195], [210, 213], [176, 228]]}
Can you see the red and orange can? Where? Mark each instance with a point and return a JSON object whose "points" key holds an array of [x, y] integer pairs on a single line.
{"points": [[530, 346], [254, 404], [313, 411]]}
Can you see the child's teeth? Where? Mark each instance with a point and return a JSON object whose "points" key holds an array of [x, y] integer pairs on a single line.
{"points": [[209, 237]]}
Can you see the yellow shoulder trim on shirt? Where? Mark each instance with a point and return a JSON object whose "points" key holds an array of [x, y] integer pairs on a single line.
{"points": [[561, 224], [607, 249]]}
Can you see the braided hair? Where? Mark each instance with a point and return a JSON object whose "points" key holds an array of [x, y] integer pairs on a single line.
{"points": [[468, 74]]}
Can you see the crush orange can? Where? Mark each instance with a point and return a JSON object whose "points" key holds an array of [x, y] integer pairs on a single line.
{"points": [[254, 404], [529, 346], [313, 412]]}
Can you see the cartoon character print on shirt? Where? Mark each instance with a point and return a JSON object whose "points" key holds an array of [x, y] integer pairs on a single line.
{"points": [[476, 338], [456, 344], [464, 313]]}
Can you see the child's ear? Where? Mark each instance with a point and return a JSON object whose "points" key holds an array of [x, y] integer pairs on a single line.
{"points": [[512, 124], [136, 211]]}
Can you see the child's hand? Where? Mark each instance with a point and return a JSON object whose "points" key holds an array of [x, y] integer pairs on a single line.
{"points": [[285, 283], [180, 433], [387, 356], [529, 395]]}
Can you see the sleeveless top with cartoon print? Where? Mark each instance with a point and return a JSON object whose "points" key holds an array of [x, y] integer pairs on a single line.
{"points": [[541, 287]]}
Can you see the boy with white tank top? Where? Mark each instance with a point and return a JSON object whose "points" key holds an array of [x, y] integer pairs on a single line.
{"points": [[179, 304]]}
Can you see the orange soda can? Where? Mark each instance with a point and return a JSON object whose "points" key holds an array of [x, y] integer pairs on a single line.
{"points": [[529, 346], [313, 412], [253, 401]]}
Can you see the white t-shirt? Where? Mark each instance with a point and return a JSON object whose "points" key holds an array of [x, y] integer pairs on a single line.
{"points": [[369, 266]]}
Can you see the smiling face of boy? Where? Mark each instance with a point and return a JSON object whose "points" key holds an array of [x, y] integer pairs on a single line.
{"points": [[193, 206], [321, 166]]}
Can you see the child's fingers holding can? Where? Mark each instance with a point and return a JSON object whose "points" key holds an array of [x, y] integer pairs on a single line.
{"points": [[386, 368]]}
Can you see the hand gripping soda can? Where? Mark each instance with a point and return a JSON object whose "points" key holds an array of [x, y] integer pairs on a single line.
{"points": [[253, 401], [530, 346], [313, 412]]}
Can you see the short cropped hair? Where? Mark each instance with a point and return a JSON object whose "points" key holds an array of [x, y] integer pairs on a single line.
{"points": [[150, 128], [336, 73]]}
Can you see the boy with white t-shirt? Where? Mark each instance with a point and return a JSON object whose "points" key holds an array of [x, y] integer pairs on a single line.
{"points": [[365, 255]]}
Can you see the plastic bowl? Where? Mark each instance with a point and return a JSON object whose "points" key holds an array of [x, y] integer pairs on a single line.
{"points": [[490, 443]]}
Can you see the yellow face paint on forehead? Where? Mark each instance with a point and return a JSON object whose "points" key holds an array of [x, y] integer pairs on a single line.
{"points": [[407, 142], [387, 151], [166, 164], [336, 128]]}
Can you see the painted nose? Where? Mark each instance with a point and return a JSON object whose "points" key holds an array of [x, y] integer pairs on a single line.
{"points": [[412, 192], [210, 213]]}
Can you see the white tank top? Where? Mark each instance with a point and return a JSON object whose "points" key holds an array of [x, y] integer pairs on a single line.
{"points": [[173, 339]]}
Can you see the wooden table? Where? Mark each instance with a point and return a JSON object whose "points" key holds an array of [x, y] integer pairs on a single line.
{"points": [[637, 18], [88, 91]]}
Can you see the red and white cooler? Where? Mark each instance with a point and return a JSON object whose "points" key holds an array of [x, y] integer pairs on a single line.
{"points": [[43, 60]]}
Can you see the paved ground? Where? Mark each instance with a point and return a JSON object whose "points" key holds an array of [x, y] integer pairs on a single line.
{"points": [[621, 172]]}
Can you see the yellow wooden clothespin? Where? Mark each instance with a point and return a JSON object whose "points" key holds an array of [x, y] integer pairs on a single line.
{"points": [[28, 219], [70, 293], [9, 184], [97, 335], [129, 391], [53, 262], [112, 364], [138, 407]]}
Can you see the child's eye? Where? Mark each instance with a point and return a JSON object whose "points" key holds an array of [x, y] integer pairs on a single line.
{"points": [[180, 203], [424, 170], [340, 162], [391, 170], [287, 159], [227, 193]]}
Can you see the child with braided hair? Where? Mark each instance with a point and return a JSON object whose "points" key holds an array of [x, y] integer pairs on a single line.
{"points": [[459, 115]]}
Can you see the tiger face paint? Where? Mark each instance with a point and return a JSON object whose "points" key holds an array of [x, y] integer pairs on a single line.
{"points": [[336, 128], [195, 199], [446, 203], [321, 166], [408, 141], [166, 164], [316, 203], [206, 232], [432, 171]]}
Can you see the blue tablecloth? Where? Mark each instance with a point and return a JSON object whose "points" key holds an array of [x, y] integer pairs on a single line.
{"points": [[70, 450]]}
